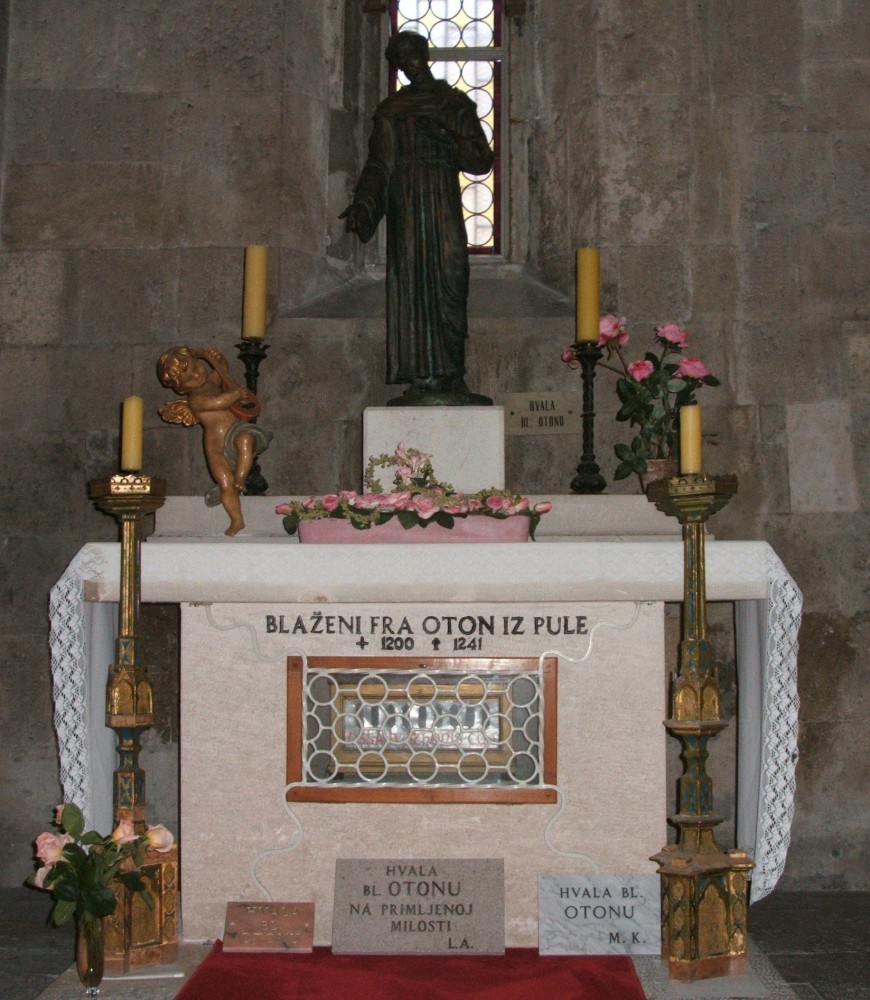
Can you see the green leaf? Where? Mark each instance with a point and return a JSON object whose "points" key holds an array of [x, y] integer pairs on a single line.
{"points": [[625, 390], [101, 901], [407, 518], [92, 837], [623, 452], [534, 521], [66, 887], [72, 820], [291, 523], [62, 911], [623, 471], [135, 882], [443, 518], [676, 385]]}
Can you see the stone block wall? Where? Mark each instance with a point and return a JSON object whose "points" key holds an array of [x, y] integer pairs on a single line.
{"points": [[716, 151]]}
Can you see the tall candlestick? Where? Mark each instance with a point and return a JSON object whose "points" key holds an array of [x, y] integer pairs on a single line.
{"points": [[254, 308], [690, 439], [131, 434], [588, 294]]}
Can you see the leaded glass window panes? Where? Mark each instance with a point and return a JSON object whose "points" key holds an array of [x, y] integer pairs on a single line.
{"points": [[465, 49]]}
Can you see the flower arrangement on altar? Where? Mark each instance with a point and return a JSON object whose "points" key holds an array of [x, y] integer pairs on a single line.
{"points": [[417, 499], [78, 867], [651, 390]]}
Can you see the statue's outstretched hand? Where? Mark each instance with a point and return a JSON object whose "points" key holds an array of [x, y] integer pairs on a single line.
{"points": [[355, 216]]}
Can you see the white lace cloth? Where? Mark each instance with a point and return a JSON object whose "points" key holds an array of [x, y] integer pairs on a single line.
{"points": [[768, 617]]}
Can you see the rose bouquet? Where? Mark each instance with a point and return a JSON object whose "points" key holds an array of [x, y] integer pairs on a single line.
{"points": [[78, 867], [651, 390], [416, 499]]}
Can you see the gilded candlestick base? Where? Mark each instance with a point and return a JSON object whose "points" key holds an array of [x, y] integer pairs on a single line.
{"points": [[136, 934], [704, 889], [704, 910]]}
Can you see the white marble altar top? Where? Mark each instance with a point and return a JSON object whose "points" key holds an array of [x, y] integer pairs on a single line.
{"points": [[576, 557]]}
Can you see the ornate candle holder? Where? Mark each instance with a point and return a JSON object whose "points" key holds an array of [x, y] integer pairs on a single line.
{"points": [[704, 890], [251, 352], [135, 934], [588, 479]]}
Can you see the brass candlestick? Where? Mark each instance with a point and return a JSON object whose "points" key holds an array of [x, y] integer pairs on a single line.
{"points": [[704, 890], [135, 934]]}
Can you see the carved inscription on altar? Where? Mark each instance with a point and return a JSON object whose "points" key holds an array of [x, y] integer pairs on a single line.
{"points": [[444, 906], [599, 915], [442, 634], [269, 927]]}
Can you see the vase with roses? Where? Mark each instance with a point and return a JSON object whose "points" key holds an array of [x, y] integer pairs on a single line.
{"points": [[651, 390], [78, 868]]}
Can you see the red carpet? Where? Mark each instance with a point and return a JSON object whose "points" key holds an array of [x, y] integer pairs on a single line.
{"points": [[521, 974]]}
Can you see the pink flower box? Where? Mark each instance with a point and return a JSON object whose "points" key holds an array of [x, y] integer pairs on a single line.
{"points": [[476, 528]]}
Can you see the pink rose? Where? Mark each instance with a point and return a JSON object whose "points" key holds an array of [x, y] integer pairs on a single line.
{"points": [[543, 507], [639, 370], [672, 334], [612, 328], [49, 847], [692, 368], [331, 501], [58, 814], [520, 506], [282, 508], [568, 355], [347, 494], [124, 832], [159, 838], [474, 504], [497, 503], [40, 875], [309, 504], [425, 506], [395, 501]]}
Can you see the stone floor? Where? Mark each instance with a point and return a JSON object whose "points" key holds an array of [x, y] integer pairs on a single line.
{"points": [[818, 943]]}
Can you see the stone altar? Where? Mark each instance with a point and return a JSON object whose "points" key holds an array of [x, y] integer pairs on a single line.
{"points": [[611, 705]]}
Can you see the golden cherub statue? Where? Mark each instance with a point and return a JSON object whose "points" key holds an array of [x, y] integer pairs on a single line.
{"points": [[224, 409]]}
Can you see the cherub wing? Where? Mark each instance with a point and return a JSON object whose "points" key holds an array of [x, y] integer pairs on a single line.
{"points": [[178, 411]]}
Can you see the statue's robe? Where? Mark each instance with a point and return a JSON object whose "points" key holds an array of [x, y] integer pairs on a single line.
{"points": [[413, 178]]}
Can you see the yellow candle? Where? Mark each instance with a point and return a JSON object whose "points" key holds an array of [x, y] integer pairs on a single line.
{"points": [[131, 434], [588, 294], [254, 309], [690, 439]]}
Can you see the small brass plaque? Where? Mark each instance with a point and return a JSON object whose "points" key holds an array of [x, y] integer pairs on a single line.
{"points": [[272, 927]]}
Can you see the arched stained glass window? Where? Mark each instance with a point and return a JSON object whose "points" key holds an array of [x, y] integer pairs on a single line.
{"points": [[465, 49]]}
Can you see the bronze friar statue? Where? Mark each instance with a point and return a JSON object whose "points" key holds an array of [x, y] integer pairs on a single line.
{"points": [[422, 137]]}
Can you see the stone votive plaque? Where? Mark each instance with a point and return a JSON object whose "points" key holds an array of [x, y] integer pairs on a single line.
{"points": [[436, 907], [599, 915], [269, 927]]}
